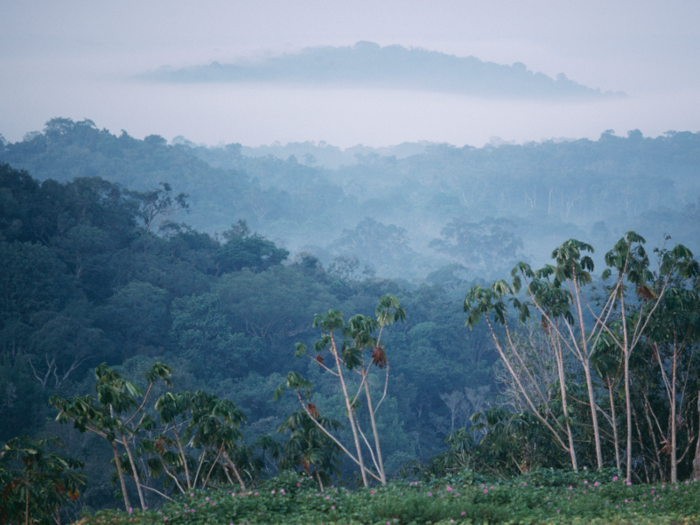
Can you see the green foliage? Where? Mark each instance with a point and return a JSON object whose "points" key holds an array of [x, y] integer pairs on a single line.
{"points": [[35, 483], [550, 477], [308, 448], [201, 422], [524, 501], [484, 248], [253, 252], [112, 414]]}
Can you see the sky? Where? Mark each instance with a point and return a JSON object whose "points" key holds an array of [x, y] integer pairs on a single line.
{"points": [[78, 59]]}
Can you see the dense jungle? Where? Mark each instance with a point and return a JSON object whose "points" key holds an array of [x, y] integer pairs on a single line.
{"points": [[422, 333]]}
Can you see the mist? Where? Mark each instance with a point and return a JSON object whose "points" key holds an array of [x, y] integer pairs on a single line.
{"points": [[81, 62], [262, 114]]}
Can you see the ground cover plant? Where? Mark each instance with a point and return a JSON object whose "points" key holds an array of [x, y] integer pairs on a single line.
{"points": [[543, 497]]}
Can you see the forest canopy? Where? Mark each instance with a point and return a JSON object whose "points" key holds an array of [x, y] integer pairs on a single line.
{"points": [[494, 303]]}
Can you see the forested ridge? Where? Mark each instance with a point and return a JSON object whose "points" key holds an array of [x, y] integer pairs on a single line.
{"points": [[369, 64], [261, 349], [85, 282], [520, 199]]}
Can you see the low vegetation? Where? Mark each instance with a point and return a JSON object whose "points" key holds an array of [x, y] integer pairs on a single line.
{"points": [[544, 497]]}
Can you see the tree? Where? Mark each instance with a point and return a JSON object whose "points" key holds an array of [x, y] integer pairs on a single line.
{"points": [[556, 293], [349, 354], [34, 483], [618, 320], [114, 415], [484, 247], [631, 263], [375, 243], [481, 302], [672, 340], [158, 205], [200, 421], [310, 448], [254, 252]]}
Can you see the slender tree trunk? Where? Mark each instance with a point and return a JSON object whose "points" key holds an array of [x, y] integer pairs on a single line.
{"points": [[674, 452], [641, 445], [594, 413], [614, 425], [168, 473], [206, 480], [589, 381], [332, 437], [26, 505], [136, 474], [657, 461], [350, 411], [182, 456], [380, 463], [202, 457], [564, 402], [235, 471], [523, 391], [628, 407], [121, 476], [628, 400], [696, 460]]}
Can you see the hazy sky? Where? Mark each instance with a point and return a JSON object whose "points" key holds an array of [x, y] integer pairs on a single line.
{"points": [[75, 59]]}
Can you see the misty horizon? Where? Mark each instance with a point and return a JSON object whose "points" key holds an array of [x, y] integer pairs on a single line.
{"points": [[77, 62]]}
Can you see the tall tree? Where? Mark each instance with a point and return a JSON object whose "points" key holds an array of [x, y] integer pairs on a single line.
{"points": [[348, 354], [114, 414]]}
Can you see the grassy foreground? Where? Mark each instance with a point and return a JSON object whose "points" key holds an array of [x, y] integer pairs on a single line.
{"points": [[295, 500]]}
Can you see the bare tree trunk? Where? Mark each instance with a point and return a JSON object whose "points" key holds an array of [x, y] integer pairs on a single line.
{"points": [[350, 411], [216, 460], [564, 402], [657, 461], [136, 474], [182, 455], [594, 413], [589, 381], [235, 471], [641, 445], [380, 463], [696, 460], [121, 476], [628, 399], [614, 425], [524, 392], [674, 452]]}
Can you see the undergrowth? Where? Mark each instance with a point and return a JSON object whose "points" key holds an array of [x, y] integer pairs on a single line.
{"points": [[543, 497]]}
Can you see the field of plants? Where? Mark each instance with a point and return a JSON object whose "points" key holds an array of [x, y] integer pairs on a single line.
{"points": [[542, 497]]}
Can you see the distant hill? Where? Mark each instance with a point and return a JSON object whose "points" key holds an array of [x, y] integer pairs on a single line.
{"points": [[369, 65]]}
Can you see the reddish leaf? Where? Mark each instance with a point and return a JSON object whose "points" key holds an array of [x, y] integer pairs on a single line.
{"points": [[379, 357], [313, 410]]}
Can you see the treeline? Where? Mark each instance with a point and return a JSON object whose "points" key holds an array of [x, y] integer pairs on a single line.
{"points": [[522, 199], [602, 368], [94, 273]]}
